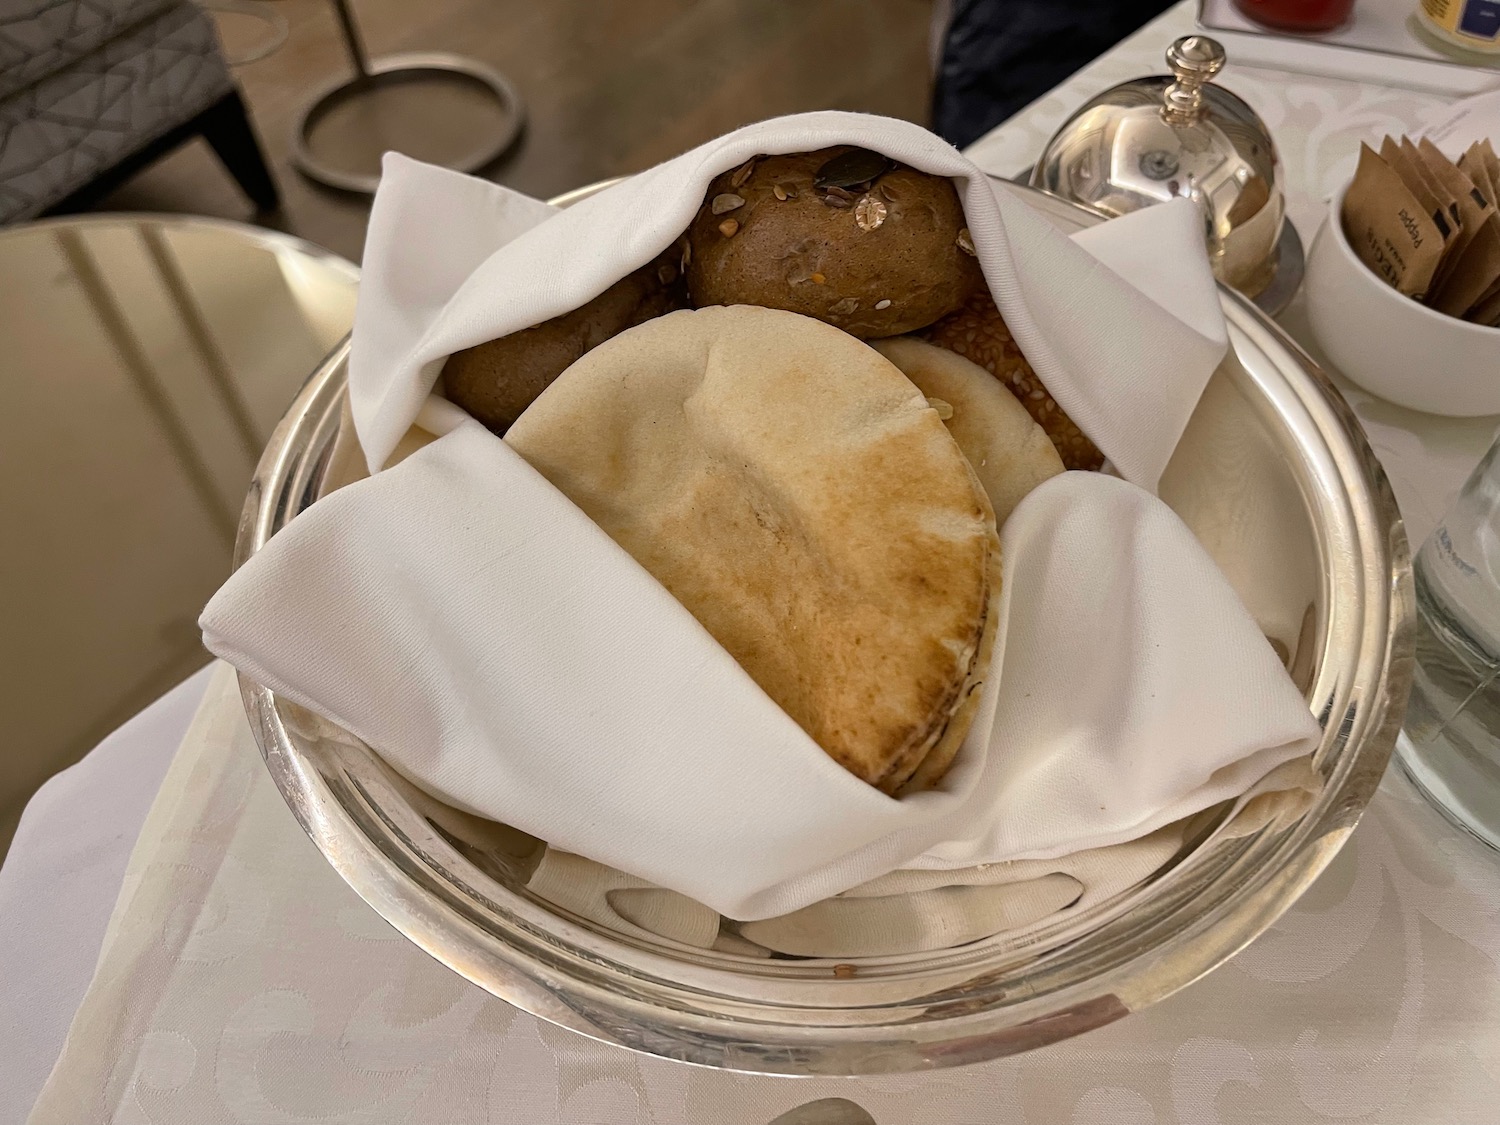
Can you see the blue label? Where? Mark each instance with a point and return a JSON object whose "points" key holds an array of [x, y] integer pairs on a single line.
{"points": [[1481, 19]]}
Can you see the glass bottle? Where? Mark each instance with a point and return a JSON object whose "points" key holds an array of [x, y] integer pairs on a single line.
{"points": [[1452, 744]]}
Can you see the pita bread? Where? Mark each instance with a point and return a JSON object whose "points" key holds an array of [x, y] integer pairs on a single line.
{"points": [[800, 497], [1011, 454]]}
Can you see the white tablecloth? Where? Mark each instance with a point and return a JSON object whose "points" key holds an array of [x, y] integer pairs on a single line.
{"points": [[1377, 999], [60, 881], [263, 991]]}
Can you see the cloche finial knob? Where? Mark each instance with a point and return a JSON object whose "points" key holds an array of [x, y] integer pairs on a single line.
{"points": [[1194, 60]]}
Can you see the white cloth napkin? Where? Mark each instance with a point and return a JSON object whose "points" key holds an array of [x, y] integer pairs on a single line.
{"points": [[452, 261], [470, 624], [904, 912], [908, 912]]}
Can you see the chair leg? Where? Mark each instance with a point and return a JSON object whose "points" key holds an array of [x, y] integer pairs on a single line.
{"points": [[226, 127]]}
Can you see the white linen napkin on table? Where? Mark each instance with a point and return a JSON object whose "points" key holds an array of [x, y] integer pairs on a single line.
{"points": [[468, 622]]}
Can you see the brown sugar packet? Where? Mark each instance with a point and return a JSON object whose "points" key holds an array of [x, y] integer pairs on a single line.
{"points": [[1415, 179], [1472, 275], [1481, 165], [1491, 161], [1474, 165], [1485, 298], [1487, 311], [1475, 267], [1474, 204], [1484, 161], [1389, 227], [1494, 287], [1446, 200], [1485, 158], [1435, 202]]}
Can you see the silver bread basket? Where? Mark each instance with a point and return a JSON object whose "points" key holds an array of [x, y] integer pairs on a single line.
{"points": [[1275, 478]]}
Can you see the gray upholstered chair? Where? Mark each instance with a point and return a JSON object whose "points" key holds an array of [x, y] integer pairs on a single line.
{"points": [[92, 90]]}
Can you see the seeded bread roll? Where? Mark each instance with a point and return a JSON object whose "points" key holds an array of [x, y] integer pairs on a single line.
{"points": [[978, 333], [497, 380], [842, 234]]}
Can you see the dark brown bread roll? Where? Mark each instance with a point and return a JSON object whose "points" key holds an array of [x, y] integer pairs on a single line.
{"points": [[497, 380], [842, 234]]}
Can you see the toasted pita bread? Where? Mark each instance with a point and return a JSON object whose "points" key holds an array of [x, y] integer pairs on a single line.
{"points": [[1011, 454], [798, 495]]}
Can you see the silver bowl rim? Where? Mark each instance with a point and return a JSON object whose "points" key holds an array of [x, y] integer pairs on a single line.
{"points": [[611, 991]]}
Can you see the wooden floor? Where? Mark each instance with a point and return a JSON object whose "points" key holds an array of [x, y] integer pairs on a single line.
{"points": [[610, 86]]}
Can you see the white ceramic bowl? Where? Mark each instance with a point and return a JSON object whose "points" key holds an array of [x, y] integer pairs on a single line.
{"points": [[1388, 343]]}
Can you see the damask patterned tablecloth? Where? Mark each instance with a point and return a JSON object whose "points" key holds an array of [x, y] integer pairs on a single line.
{"points": [[242, 981]]}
